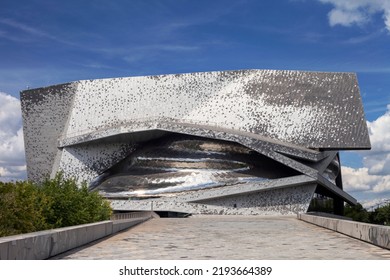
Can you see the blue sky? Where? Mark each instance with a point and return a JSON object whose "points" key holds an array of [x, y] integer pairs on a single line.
{"points": [[50, 42]]}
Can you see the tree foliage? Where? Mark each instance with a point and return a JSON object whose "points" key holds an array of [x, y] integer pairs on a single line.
{"points": [[380, 216], [22, 208], [357, 213], [58, 202]]}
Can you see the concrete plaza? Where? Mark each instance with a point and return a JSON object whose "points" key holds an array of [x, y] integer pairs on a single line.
{"points": [[228, 237]]}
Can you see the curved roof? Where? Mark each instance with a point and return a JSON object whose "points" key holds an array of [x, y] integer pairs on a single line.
{"points": [[296, 109], [309, 109]]}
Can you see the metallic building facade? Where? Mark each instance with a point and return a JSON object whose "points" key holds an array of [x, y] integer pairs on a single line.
{"points": [[229, 142]]}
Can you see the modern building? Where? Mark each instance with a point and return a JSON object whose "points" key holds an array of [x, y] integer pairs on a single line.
{"points": [[229, 142]]}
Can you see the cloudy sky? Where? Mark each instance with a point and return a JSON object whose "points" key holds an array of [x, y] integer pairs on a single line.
{"points": [[46, 42]]}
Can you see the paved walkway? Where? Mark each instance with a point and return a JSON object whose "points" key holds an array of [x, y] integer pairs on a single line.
{"points": [[228, 237]]}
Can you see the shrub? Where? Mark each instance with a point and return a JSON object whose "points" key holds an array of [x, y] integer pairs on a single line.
{"points": [[58, 202], [22, 208], [72, 205], [357, 213], [381, 215]]}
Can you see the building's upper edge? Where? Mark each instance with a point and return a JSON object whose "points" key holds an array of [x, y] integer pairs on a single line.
{"points": [[47, 87]]}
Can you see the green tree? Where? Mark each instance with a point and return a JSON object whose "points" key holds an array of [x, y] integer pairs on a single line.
{"points": [[58, 202], [381, 215], [73, 205], [357, 213], [22, 208]]}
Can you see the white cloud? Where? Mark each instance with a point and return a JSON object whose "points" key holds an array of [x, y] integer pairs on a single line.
{"points": [[357, 179], [360, 179], [346, 18], [374, 176], [378, 159], [380, 133], [349, 12], [12, 158], [10, 117]]}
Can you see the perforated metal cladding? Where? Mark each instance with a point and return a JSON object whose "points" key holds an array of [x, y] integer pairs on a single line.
{"points": [[45, 114], [306, 109], [316, 110]]}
